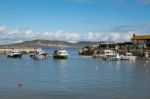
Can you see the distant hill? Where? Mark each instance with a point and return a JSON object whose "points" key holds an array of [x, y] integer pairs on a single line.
{"points": [[50, 43]]}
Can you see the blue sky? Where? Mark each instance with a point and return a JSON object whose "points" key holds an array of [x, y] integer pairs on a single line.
{"points": [[73, 20]]}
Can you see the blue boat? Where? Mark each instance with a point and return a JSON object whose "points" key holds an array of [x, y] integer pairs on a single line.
{"points": [[15, 53]]}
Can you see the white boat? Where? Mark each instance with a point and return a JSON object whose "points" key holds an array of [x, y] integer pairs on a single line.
{"points": [[60, 54], [115, 57], [15, 53], [111, 55], [128, 56], [103, 54]]}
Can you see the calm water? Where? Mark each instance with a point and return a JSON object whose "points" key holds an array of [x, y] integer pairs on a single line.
{"points": [[75, 78]]}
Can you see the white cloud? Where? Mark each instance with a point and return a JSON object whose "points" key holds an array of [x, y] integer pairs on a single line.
{"points": [[9, 35], [60, 35], [108, 36], [3, 28], [121, 37], [93, 36], [19, 34]]}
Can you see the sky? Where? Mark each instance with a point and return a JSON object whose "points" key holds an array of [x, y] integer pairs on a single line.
{"points": [[73, 20]]}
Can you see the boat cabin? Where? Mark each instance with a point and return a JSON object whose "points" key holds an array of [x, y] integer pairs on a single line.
{"points": [[109, 52]]}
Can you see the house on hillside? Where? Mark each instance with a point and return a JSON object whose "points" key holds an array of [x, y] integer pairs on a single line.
{"points": [[143, 40]]}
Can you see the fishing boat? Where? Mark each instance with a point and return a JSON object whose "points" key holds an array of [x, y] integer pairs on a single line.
{"points": [[104, 53], [60, 54], [111, 55], [115, 57], [128, 56], [39, 54], [15, 53]]}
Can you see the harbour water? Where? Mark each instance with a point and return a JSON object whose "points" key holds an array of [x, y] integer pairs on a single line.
{"points": [[75, 78]]}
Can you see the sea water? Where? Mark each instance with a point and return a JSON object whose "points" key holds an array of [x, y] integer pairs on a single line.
{"points": [[74, 78]]}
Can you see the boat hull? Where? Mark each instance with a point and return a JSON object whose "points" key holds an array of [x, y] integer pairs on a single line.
{"points": [[60, 56], [38, 56], [15, 56], [112, 58]]}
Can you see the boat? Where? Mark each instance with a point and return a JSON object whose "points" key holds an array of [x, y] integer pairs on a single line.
{"points": [[115, 57], [15, 53], [103, 53], [60, 54], [111, 55], [39, 54], [128, 56]]}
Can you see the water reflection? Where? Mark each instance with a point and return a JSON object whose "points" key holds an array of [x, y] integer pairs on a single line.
{"points": [[14, 59], [61, 65], [61, 61]]}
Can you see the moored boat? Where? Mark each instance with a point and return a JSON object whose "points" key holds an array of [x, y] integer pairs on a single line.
{"points": [[39, 54], [111, 55], [15, 53], [60, 54], [128, 56]]}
